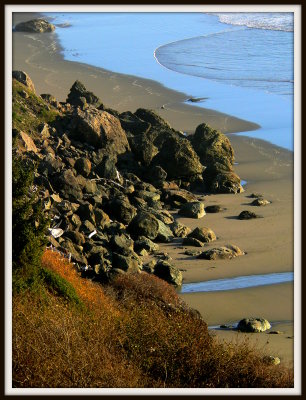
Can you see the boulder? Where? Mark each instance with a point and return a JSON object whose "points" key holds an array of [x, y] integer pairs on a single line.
{"points": [[99, 129], [203, 234], [178, 197], [165, 234], [38, 25], [126, 263], [107, 167], [132, 124], [247, 215], [48, 98], [260, 202], [212, 147], [156, 175], [143, 148], [194, 209], [121, 210], [86, 212], [101, 217], [26, 142], [177, 157], [190, 241], [151, 117], [122, 244], [271, 360], [180, 230], [83, 166], [213, 209], [143, 243], [224, 252], [68, 185], [168, 272], [223, 182], [144, 224], [253, 325], [78, 93], [76, 237]]}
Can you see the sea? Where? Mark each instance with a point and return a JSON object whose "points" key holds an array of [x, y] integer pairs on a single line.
{"points": [[241, 64]]}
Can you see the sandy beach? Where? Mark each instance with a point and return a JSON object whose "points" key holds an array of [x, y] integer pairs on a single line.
{"points": [[267, 169]]}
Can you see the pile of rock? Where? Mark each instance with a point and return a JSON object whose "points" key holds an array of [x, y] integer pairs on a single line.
{"points": [[108, 181]]}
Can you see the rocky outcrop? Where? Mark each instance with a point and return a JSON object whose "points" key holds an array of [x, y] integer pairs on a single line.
{"points": [[24, 78], [35, 26], [253, 325], [80, 96], [99, 129]]}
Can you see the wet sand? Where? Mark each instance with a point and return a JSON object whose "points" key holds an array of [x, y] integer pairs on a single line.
{"points": [[267, 241]]}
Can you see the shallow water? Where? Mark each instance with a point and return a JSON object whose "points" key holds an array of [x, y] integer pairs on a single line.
{"points": [[250, 69], [240, 282]]}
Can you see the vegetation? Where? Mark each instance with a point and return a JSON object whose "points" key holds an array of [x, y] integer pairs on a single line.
{"points": [[133, 333]]}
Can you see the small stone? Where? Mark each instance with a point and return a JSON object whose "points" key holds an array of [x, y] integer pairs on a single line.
{"points": [[271, 360], [260, 202], [247, 215]]}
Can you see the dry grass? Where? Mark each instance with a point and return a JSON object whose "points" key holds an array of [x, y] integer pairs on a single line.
{"points": [[135, 333]]}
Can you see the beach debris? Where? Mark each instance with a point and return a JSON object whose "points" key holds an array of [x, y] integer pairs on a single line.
{"points": [[38, 25], [203, 234], [253, 325], [247, 215], [271, 360], [260, 202], [194, 209], [225, 252], [92, 234], [56, 232]]}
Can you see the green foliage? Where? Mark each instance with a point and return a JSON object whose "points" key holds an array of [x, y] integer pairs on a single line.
{"points": [[60, 286], [28, 225]]}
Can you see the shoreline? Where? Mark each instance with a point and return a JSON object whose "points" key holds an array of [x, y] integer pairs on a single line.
{"points": [[268, 169]]}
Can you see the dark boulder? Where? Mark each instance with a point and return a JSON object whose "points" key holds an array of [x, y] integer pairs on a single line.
{"points": [[168, 272], [83, 166], [194, 209], [120, 209], [78, 93], [151, 117], [144, 224], [132, 124], [253, 325], [247, 215]]}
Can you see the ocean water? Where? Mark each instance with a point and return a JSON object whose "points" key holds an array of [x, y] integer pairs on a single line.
{"points": [[241, 63]]}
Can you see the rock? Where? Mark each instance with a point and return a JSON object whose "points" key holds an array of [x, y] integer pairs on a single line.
{"points": [[99, 129], [178, 158], [75, 221], [101, 218], [203, 234], [35, 26], [212, 147], [143, 243], [27, 142], [271, 360], [107, 167], [75, 253], [87, 227], [247, 215], [156, 174], [192, 253], [168, 272], [190, 241], [149, 267], [126, 263], [132, 124], [83, 166], [253, 325], [260, 202], [165, 234], [144, 224], [180, 230], [213, 209], [48, 98], [44, 130], [143, 148], [222, 182], [194, 209], [91, 188], [121, 210], [122, 244], [225, 252], [68, 186], [78, 93], [76, 237], [151, 117], [86, 212], [178, 197]]}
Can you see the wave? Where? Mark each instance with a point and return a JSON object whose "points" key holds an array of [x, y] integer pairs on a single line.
{"points": [[270, 21]]}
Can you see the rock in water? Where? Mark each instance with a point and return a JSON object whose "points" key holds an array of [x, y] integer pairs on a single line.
{"points": [[195, 209], [253, 325], [24, 78], [35, 26]]}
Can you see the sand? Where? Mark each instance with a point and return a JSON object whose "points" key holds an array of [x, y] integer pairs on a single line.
{"points": [[268, 241]]}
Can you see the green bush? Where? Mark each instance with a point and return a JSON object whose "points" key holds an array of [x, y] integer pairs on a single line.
{"points": [[28, 225]]}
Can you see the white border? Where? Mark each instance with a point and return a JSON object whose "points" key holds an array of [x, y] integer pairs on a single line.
{"points": [[296, 9]]}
